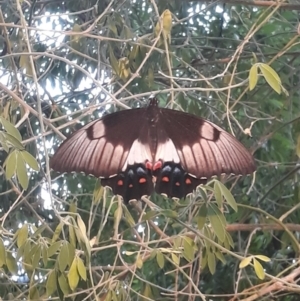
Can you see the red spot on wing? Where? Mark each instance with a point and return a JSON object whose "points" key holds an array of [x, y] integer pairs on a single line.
{"points": [[165, 179], [149, 165], [142, 180], [120, 183], [157, 165], [188, 181]]}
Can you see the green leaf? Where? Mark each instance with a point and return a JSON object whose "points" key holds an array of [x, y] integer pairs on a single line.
{"points": [[128, 217], [54, 248], [218, 194], [45, 255], [57, 232], [73, 276], [3, 142], [63, 257], [169, 213], [72, 235], [81, 269], [188, 249], [10, 164], [160, 258], [253, 77], [217, 220], [211, 260], [71, 250], [12, 141], [51, 285], [113, 61], [22, 172], [228, 242], [2, 253], [220, 256], [34, 293], [259, 270], [149, 215], [271, 77], [227, 195], [30, 160], [36, 257], [11, 263], [245, 262], [11, 129], [63, 284], [202, 216], [22, 235]]}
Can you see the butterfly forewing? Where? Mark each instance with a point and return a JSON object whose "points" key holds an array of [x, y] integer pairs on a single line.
{"points": [[101, 147]]}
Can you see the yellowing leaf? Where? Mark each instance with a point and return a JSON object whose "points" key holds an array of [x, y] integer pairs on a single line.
{"points": [[263, 258], [26, 65], [160, 259], [75, 38], [22, 235], [271, 77], [253, 77], [139, 262], [2, 253], [73, 276], [81, 225], [166, 20], [81, 269], [259, 270], [98, 192], [245, 262], [175, 259], [124, 69], [147, 293]]}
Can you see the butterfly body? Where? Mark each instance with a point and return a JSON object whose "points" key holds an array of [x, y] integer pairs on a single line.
{"points": [[140, 150]]}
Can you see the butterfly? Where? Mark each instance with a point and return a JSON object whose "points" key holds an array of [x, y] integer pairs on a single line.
{"points": [[138, 151]]}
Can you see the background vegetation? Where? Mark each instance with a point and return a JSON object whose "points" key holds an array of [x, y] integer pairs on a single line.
{"points": [[64, 63]]}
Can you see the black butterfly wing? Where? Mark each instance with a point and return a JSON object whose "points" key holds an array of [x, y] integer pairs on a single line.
{"points": [[204, 150], [111, 148]]}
